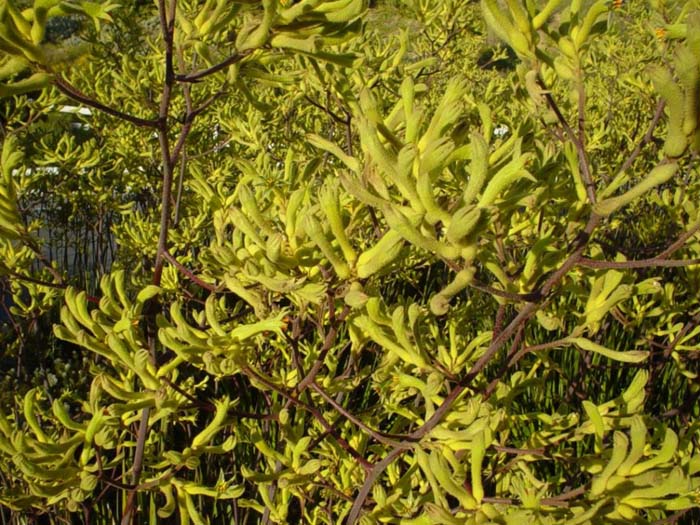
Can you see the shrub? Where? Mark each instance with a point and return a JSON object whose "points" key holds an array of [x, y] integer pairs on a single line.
{"points": [[330, 266]]}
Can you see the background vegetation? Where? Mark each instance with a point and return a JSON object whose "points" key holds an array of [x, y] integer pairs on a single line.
{"points": [[424, 261]]}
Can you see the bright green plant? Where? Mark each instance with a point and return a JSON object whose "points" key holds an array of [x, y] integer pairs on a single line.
{"points": [[419, 263]]}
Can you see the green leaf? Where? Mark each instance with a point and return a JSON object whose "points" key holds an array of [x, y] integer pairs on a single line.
{"points": [[630, 356]]}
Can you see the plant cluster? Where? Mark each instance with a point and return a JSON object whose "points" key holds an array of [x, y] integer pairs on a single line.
{"points": [[273, 261]]}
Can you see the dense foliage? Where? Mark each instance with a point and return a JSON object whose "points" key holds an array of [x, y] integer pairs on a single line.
{"points": [[425, 261]]}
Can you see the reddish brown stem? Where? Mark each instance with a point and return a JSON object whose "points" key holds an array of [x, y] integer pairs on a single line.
{"points": [[198, 75], [72, 92], [188, 273]]}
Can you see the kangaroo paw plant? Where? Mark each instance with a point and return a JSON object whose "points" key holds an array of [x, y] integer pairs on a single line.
{"points": [[305, 261]]}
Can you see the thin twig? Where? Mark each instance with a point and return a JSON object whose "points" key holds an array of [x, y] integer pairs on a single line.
{"points": [[29, 242], [660, 260], [580, 149], [198, 75], [532, 297], [372, 476], [328, 342], [490, 389], [654, 262], [379, 436], [327, 110], [314, 412], [62, 286], [72, 92], [520, 451], [673, 518], [658, 113], [130, 510], [180, 186], [680, 242]]}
